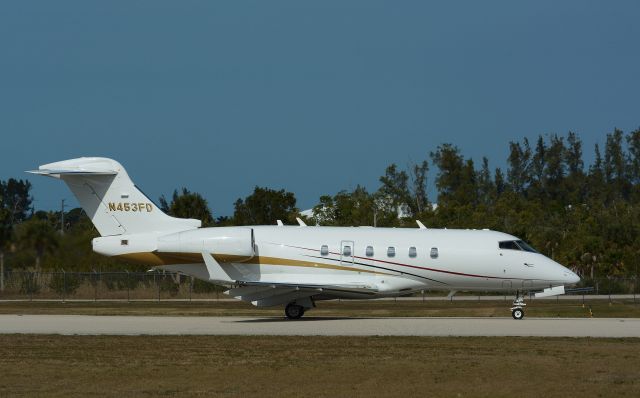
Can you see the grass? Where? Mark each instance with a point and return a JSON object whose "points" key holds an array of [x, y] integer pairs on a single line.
{"points": [[239, 366], [384, 308]]}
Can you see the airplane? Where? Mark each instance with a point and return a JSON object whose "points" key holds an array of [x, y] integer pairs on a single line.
{"points": [[295, 266]]}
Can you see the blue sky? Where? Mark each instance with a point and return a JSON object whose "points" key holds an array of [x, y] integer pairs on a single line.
{"points": [[312, 97]]}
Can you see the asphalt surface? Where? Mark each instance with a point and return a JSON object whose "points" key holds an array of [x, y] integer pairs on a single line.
{"points": [[314, 326]]}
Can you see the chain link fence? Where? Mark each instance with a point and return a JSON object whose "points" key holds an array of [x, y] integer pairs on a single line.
{"points": [[24, 285]]}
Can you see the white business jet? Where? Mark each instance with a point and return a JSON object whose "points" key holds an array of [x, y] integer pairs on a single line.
{"points": [[295, 266]]}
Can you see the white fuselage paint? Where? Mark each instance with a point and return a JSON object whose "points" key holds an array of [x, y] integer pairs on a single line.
{"points": [[466, 260]]}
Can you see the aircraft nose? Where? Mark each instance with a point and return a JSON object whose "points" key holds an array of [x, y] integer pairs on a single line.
{"points": [[572, 278], [569, 277], [564, 274]]}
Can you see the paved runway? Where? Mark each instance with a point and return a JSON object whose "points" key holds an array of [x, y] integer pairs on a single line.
{"points": [[311, 326]]}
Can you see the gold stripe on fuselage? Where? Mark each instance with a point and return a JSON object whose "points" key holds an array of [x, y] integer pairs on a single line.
{"points": [[158, 259]]}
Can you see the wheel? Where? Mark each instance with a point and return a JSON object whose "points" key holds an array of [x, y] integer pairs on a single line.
{"points": [[294, 311], [517, 313]]}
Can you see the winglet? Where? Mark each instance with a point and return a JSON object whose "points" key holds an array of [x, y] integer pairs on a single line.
{"points": [[279, 222], [216, 273], [420, 224], [302, 224]]}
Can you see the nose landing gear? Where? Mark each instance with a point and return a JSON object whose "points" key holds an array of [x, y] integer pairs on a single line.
{"points": [[517, 308]]}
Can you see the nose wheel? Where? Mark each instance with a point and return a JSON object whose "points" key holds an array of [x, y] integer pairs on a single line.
{"points": [[517, 308], [517, 313]]}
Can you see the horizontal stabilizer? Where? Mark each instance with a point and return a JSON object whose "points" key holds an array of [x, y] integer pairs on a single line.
{"points": [[80, 166], [58, 172]]}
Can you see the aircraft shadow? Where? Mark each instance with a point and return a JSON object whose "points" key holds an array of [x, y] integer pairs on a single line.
{"points": [[304, 319]]}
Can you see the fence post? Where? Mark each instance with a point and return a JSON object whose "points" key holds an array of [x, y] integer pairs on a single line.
{"points": [[190, 286], [158, 286], [1, 271], [64, 285], [32, 279], [128, 284], [95, 286]]}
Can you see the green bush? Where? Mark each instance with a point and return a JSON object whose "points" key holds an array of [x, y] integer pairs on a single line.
{"points": [[120, 281], [29, 283], [65, 284], [615, 286], [200, 286], [167, 285]]}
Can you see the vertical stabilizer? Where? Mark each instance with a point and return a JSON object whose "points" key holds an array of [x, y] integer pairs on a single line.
{"points": [[109, 197]]}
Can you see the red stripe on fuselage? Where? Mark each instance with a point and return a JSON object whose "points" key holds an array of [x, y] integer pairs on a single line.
{"points": [[412, 266]]}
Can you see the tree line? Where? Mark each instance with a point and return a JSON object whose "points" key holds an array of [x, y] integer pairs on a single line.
{"points": [[583, 216]]}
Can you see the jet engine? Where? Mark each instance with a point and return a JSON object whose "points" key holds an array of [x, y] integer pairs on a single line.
{"points": [[236, 243]]}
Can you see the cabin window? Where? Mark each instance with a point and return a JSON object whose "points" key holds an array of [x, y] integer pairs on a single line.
{"points": [[346, 251], [391, 251], [369, 251], [124, 242], [324, 250], [413, 252], [434, 252]]}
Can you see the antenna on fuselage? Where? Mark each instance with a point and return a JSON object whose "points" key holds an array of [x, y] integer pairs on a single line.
{"points": [[279, 222], [302, 224], [420, 225]]}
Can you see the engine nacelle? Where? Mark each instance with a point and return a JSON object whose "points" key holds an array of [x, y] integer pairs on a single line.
{"points": [[125, 244], [235, 242]]}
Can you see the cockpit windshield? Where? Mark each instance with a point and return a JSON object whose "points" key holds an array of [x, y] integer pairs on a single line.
{"points": [[516, 245]]}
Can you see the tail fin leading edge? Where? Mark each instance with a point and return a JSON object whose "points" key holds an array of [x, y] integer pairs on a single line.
{"points": [[109, 197]]}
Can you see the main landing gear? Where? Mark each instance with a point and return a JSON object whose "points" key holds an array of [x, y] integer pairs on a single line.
{"points": [[294, 311], [517, 308]]}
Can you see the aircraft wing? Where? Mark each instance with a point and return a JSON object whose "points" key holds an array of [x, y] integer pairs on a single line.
{"points": [[316, 288], [266, 294]]}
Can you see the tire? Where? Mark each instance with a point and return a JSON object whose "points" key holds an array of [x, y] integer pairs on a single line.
{"points": [[517, 313], [294, 311]]}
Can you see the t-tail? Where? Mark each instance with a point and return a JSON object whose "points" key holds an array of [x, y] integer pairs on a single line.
{"points": [[109, 197]]}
